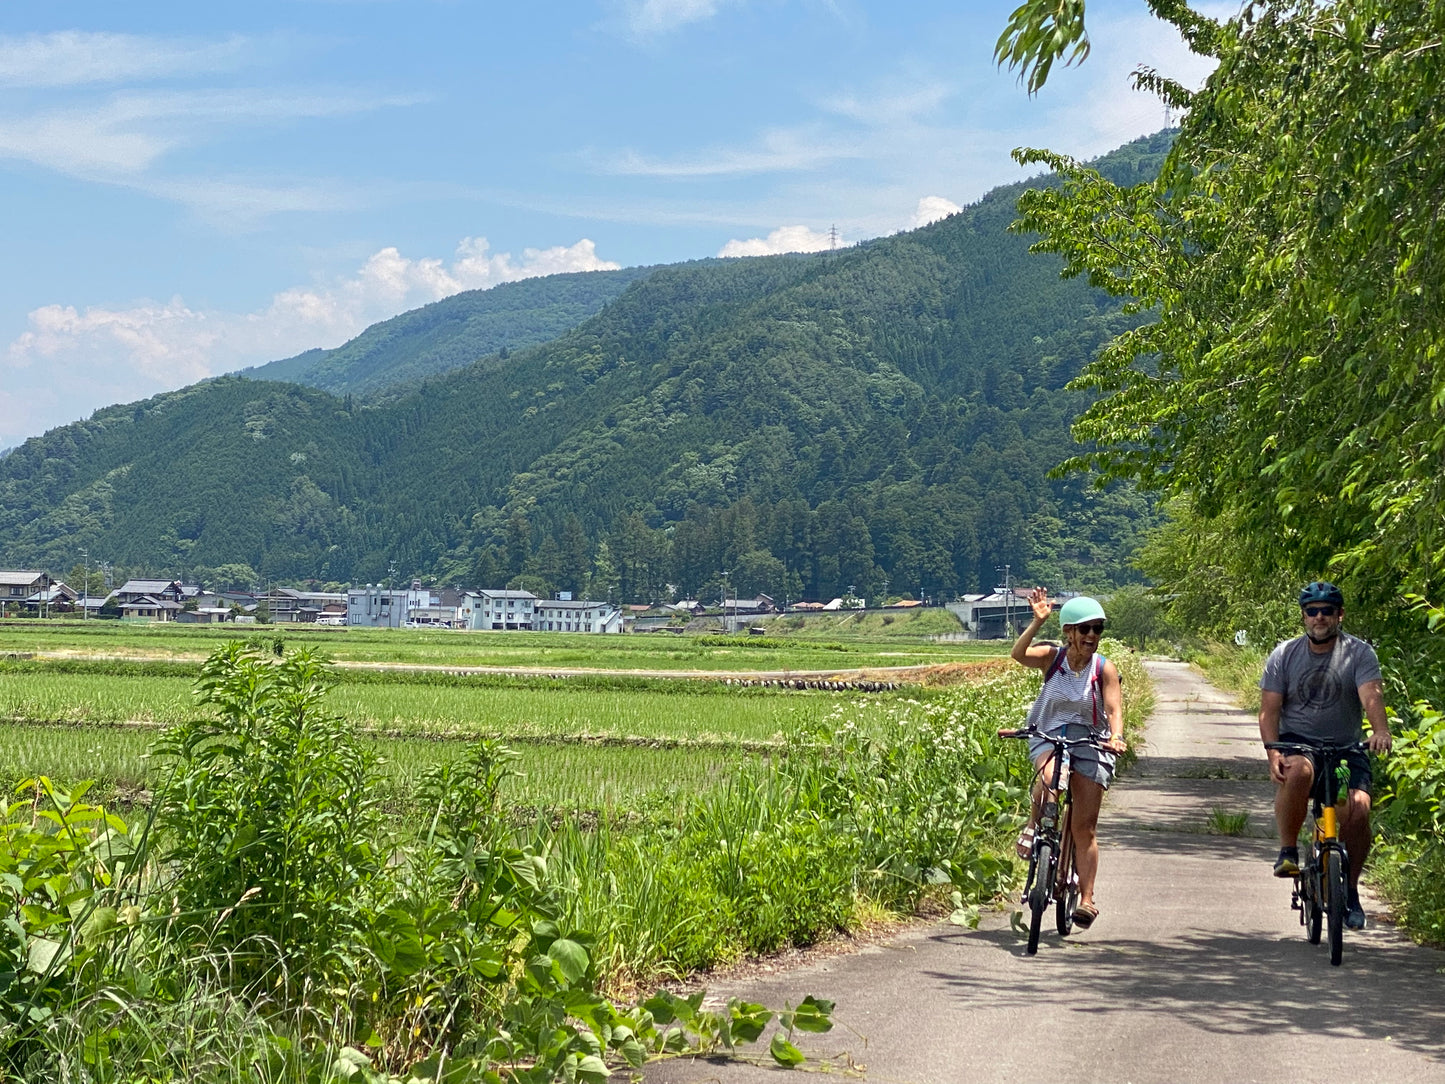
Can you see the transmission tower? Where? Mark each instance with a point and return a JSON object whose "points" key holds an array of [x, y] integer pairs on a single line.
{"points": [[833, 237]]}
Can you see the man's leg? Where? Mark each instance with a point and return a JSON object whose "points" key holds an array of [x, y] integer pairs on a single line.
{"points": [[1354, 814], [1291, 802]]}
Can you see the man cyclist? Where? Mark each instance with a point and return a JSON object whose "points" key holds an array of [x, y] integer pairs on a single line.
{"points": [[1313, 690]]}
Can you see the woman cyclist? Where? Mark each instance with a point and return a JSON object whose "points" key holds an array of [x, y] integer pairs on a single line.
{"points": [[1080, 694]]}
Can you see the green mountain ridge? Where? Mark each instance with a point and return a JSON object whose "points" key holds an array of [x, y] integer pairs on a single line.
{"points": [[883, 415], [452, 333]]}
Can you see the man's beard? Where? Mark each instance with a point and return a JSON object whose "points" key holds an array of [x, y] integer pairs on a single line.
{"points": [[1333, 634]]}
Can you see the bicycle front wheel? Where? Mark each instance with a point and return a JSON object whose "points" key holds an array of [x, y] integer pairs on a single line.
{"points": [[1039, 893], [1339, 902], [1312, 898], [1066, 888]]}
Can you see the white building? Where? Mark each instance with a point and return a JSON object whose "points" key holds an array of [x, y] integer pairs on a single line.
{"points": [[565, 615], [376, 607], [498, 611]]}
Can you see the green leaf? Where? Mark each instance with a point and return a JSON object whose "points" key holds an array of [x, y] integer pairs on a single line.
{"points": [[42, 954], [571, 958], [101, 922], [592, 1069], [748, 1020], [634, 1053], [785, 1053], [811, 1015]]}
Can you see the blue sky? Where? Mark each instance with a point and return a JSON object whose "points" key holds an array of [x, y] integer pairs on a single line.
{"points": [[192, 188]]}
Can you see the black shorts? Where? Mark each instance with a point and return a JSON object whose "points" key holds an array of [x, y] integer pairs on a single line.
{"points": [[1361, 776]]}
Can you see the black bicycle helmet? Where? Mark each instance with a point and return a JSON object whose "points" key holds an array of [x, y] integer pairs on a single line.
{"points": [[1321, 591]]}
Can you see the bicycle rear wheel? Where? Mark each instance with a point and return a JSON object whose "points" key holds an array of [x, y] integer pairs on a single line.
{"points": [[1039, 893], [1066, 886], [1339, 902]]}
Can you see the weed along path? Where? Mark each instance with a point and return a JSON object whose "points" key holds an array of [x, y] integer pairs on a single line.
{"points": [[1196, 971]]}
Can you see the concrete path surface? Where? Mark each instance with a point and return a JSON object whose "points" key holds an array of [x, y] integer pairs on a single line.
{"points": [[1197, 969]]}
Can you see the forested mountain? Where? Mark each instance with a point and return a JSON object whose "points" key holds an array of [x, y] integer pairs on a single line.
{"points": [[884, 414], [452, 333]]}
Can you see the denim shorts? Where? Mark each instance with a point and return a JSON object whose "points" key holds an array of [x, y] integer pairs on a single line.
{"points": [[1087, 761]]}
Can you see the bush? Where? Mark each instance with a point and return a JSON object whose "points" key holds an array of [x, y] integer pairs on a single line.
{"points": [[1412, 820], [269, 821], [68, 875]]}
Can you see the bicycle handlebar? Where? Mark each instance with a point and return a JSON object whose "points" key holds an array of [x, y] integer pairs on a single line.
{"points": [[1061, 741], [1300, 748]]}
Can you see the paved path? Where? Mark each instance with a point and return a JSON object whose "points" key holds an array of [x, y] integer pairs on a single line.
{"points": [[1197, 970]]}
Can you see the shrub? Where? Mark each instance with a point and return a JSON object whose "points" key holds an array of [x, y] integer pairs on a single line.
{"points": [[268, 819], [67, 881]]}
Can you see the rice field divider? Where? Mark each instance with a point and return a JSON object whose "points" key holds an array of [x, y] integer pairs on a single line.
{"points": [[347, 673], [620, 741]]}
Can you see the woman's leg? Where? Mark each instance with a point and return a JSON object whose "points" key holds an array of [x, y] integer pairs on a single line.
{"points": [[1088, 797], [1043, 770]]}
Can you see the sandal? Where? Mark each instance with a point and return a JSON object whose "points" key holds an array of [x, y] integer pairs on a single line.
{"points": [[1024, 846], [1084, 915]]}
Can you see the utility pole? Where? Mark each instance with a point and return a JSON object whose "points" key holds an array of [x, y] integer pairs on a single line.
{"points": [[85, 605], [1008, 597]]}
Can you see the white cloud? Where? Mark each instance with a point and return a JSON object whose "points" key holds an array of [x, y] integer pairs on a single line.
{"points": [[71, 361], [778, 150], [902, 106], [782, 239], [932, 208], [72, 58], [649, 18], [127, 134]]}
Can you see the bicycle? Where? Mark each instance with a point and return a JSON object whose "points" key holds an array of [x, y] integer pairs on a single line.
{"points": [[1321, 887], [1053, 877]]}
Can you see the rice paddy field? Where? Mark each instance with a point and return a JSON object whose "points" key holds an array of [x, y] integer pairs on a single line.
{"points": [[826, 643], [598, 725]]}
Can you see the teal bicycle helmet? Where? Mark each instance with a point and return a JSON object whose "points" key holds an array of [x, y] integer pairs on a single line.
{"points": [[1078, 610]]}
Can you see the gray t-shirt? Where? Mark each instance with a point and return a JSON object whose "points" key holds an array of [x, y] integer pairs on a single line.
{"points": [[1321, 692]]}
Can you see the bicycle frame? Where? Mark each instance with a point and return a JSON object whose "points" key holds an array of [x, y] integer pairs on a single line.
{"points": [[1321, 887]]}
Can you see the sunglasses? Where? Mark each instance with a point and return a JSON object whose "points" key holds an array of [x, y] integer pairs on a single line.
{"points": [[1321, 611], [1096, 629]]}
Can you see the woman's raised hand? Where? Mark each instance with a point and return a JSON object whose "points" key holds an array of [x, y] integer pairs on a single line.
{"points": [[1039, 603]]}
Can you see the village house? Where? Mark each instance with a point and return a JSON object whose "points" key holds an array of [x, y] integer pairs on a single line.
{"points": [[288, 605], [17, 587]]}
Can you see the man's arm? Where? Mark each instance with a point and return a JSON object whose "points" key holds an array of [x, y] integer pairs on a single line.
{"points": [[1372, 699], [1270, 706]]}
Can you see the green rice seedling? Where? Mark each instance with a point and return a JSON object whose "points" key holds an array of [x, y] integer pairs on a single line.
{"points": [[112, 756]]}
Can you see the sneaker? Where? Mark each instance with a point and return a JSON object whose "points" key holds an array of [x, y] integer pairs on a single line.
{"points": [[1355, 915], [1287, 864]]}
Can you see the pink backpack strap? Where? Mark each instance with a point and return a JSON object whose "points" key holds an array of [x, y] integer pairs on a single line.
{"points": [[1095, 680]]}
